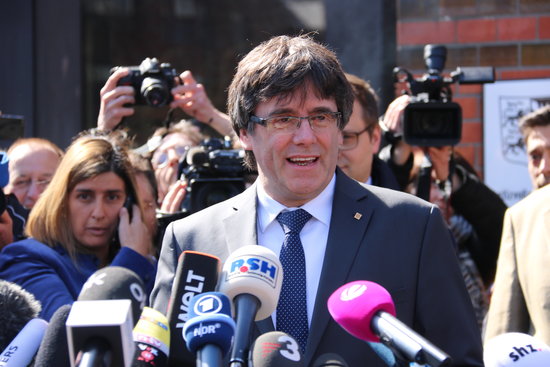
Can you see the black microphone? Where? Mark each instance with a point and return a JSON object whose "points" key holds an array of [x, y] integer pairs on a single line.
{"points": [[18, 307], [210, 329], [251, 277], [365, 310], [53, 350], [330, 360], [196, 273], [21, 350], [275, 349], [115, 282], [99, 333], [152, 339]]}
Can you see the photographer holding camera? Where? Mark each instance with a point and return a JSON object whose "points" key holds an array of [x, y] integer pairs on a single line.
{"points": [[149, 84]]}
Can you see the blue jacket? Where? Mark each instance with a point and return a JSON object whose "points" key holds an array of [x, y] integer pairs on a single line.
{"points": [[52, 277]]}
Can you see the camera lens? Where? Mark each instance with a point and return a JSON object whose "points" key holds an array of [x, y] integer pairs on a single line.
{"points": [[155, 92]]}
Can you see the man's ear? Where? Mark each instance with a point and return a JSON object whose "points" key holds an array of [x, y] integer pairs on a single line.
{"points": [[244, 137], [376, 138]]}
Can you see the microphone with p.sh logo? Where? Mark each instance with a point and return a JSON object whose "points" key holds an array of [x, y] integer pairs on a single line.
{"points": [[275, 349], [251, 278], [196, 273], [210, 329], [366, 310], [115, 282]]}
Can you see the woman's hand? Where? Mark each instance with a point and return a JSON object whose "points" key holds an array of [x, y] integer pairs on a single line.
{"points": [[134, 234]]}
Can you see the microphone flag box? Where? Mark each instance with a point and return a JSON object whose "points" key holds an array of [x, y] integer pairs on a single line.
{"points": [[110, 320]]}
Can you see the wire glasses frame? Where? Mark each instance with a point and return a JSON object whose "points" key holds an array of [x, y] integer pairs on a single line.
{"points": [[351, 139], [289, 124]]}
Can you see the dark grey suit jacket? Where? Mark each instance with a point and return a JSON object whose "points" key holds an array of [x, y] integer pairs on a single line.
{"points": [[397, 241]]}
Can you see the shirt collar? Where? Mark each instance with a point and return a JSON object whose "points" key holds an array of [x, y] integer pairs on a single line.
{"points": [[319, 207]]}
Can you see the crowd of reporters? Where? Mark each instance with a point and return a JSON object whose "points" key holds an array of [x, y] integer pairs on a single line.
{"points": [[86, 225]]}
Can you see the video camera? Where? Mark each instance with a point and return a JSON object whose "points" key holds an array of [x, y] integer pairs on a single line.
{"points": [[214, 172], [432, 119], [152, 82]]}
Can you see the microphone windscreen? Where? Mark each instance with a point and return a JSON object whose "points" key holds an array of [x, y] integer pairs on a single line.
{"points": [[196, 273], [275, 349], [354, 305], [21, 350], [17, 308], [517, 350], [330, 360], [53, 350], [152, 339], [253, 270], [210, 322], [115, 282]]}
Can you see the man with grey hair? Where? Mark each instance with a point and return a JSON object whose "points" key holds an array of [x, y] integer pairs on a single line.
{"points": [[289, 102]]}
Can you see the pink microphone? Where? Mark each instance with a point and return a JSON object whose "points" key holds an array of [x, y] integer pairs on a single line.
{"points": [[366, 310]]}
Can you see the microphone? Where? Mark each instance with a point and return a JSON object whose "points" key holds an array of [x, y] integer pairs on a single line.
{"points": [[53, 350], [275, 349], [99, 333], [515, 349], [329, 360], [365, 310], [115, 282], [152, 339], [210, 329], [18, 308], [251, 277], [196, 273], [21, 351]]}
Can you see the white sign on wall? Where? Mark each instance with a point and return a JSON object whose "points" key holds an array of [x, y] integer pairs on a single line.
{"points": [[505, 160]]}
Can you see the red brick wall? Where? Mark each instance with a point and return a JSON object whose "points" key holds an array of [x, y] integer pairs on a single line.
{"points": [[511, 35]]}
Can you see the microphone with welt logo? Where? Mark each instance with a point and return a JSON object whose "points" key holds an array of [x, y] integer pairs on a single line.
{"points": [[275, 349], [366, 310], [210, 329], [196, 273], [251, 277]]}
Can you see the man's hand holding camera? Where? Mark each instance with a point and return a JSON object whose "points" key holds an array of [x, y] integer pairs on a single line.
{"points": [[114, 101]]}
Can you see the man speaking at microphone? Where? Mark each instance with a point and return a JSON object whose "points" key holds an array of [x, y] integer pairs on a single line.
{"points": [[289, 102]]}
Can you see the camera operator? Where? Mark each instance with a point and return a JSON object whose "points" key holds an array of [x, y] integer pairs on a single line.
{"points": [[456, 188]]}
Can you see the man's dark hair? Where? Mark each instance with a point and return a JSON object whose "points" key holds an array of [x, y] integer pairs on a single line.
{"points": [[539, 117], [277, 68], [366, 96]]}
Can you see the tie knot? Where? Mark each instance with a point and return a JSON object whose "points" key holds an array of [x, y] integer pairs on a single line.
{"points": [[293, 221]]}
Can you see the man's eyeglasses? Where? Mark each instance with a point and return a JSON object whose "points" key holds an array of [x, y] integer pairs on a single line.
{"points": [[351, 139], [25, 184], [289, 124]]}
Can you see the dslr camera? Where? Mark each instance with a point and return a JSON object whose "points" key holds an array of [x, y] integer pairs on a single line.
{"points": [[152, 82], [214, 172], [432, 119]]}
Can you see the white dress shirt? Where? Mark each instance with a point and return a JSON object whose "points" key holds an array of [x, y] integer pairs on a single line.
{"points": [[314, 235]]}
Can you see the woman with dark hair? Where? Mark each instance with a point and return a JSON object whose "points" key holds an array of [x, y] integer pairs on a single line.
{"points": [[80, 224]]}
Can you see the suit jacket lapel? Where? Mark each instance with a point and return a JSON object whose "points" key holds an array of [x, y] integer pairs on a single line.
{"points": [[349, 222], [240, 228]]}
